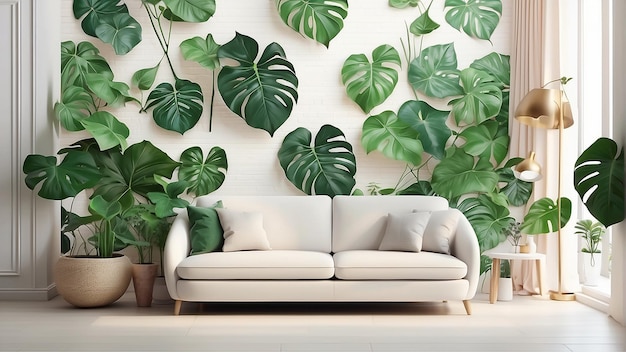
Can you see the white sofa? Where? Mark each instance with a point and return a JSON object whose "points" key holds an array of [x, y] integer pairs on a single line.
{"points": [[323, 250]]}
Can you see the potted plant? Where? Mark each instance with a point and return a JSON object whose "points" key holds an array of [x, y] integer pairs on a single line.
{"points": [[514, 235], [592, 233], [505, 283]]}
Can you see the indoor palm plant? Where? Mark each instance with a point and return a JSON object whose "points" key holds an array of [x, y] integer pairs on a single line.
{"points": [[591, 232]]}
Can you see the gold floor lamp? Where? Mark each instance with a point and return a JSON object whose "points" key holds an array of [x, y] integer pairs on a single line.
{"points": [[549, 109]]}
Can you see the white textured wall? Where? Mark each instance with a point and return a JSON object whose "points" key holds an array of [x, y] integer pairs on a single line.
{"points": [[253, 165]]}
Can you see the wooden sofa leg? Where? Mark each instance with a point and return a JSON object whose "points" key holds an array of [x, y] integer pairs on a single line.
{"points": [[468, 306], [177, 305]]}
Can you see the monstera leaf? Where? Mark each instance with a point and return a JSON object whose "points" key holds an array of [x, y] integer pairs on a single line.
{"points": [[122, 31], [107, 130], [369, 84], [486, 140], [392, 137], [176, 108], [477, 18], [326, 167], [79, 60], [125, 175], [191, 10], [599, 180], [76, 104], [320, 20], [423, 24], [263, 93], [434, 72], [76, 172], [115, 94], [516, 191], [430, 125], [482, 98], [202, 51], [203, 175], [400, 4], [543, 216], [95, 11], [497, 65], [166, 202], [460, 174], [420, 188], [488, 220]]}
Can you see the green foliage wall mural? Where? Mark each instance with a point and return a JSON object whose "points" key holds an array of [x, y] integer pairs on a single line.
{"points": [[314, 97]]}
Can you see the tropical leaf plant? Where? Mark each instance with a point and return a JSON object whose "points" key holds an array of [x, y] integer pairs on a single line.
{"points": [[421, 187], [424, 24], [434, 72], [78, 60], [145, 77], [488, 219], [400, 4], [262, 92], [96, 10], [430, 124], [543, 216], [165, 202], [114, 94], [107, 130], [203, 176], [191, 10], [481, 100], [392, 137], [324, 166], [122, 31], [75, 105], [176, 108], [320, 20], [599, 180], [497, 65], [367, 83], [486, 140], [476, 18], [461, 174], [516, 191]]}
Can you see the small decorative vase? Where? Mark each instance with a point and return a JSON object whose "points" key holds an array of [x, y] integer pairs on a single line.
{"points": [[532, 246], [143, 282], [505, 289]]}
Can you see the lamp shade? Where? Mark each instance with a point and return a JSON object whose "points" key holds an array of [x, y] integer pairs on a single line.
{"points": [[528, 170], [541, 107]]}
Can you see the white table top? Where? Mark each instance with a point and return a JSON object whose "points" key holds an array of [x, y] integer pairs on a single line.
{"points": [[512, 256]]}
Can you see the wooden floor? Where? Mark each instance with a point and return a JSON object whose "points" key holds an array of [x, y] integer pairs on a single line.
{"points": [[524, 324]]}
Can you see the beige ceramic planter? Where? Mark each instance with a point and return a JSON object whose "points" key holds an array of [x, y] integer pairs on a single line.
{"points": [[88, 282]]}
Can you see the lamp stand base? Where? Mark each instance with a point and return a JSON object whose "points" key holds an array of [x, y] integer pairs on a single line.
{"points": [[562, 296]]}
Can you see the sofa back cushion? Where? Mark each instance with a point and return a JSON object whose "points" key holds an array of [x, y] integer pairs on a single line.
{"points": [[359, 222], [290, 222]]}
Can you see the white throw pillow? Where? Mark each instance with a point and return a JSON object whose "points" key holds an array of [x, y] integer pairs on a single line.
{"points": [[440, 230], [242, 230], [404, 232]]}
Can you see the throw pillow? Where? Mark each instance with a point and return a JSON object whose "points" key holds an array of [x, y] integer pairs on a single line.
{"points": [[440, 230], [404, 232], [243, 230], [206, 234]]}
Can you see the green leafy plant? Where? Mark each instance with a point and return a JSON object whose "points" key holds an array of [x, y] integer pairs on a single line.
{"points": [[591, 232], [369, 83], [513, 233], [543, 216], [262, 92], [599, 180], [477, 18], [320, 20], [325, 167], [395, 139]]}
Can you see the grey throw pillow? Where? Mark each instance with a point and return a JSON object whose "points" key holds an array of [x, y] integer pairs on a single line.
{"points": [[404, 232]]}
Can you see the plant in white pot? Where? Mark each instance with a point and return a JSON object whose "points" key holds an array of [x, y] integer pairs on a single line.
{"points": [[591, 232]]}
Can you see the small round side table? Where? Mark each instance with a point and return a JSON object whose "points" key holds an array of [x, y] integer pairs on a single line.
{"points": [[495, 269]]}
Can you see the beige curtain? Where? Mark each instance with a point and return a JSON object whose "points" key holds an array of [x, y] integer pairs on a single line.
{"points": [[535, 60]]}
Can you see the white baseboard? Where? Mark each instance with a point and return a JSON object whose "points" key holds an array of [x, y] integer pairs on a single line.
{"points": [[38, 294]]}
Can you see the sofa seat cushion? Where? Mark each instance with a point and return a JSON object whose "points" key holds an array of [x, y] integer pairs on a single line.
{"points": [[257, 265], [395, 265]]}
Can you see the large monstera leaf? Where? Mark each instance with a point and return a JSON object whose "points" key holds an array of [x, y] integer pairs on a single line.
{"points": [[543, 216], [203, 175], [434, 72], [76, 172], [394, 138], [96, 10], [320, 20], [326, 167], [124, 175], [481, 101], [516, 191], [488, 219], [486, 140], [599, 180], [176, 108], [75, 105], [79, 60], [191, 10], [497, 65], [430, 125], [262, 92], [369, 84], [461, 174], [122, 31], [477, 18]]}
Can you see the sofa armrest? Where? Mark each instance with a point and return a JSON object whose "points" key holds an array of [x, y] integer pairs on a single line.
{"points": [[177, 248], [465, 247]]}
